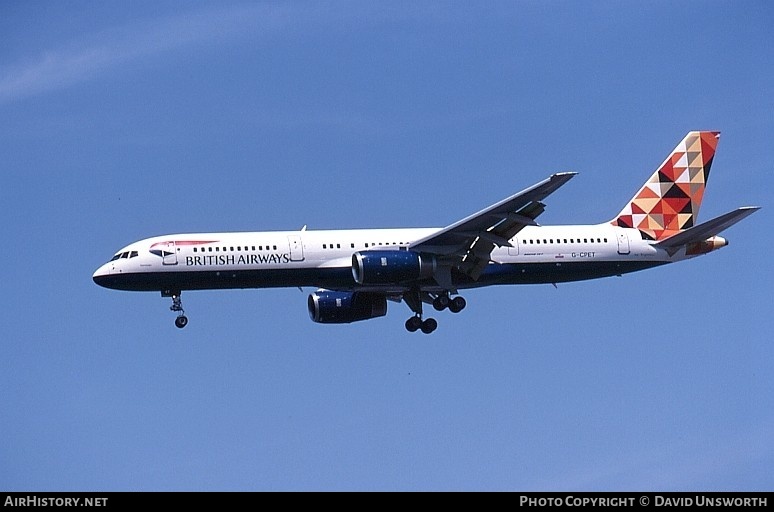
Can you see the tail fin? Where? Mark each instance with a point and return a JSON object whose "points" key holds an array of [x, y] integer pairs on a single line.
{"points": [[669, 201]]}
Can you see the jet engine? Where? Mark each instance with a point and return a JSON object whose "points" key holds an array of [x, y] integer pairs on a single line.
{"points": [[329, 307], [391, 267]]}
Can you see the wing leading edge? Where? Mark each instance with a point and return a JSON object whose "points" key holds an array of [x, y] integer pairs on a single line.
{"points": [[468, 243]]}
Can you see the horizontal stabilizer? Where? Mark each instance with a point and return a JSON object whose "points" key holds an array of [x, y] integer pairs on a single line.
{"points": [[705, 230]]}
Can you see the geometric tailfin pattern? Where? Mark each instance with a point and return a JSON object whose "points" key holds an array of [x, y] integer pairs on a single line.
{"points": [[669, 201]]}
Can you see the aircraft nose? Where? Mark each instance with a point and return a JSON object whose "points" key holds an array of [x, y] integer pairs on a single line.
{"points": [[101, 275]]}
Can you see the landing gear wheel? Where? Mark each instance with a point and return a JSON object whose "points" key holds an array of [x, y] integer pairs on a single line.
{"points": [[429, 325], [181, 321], [457, 304], [441, 302], [413, 324]]}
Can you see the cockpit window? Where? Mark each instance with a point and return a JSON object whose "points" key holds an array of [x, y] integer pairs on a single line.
{"points": [[124, 255]]}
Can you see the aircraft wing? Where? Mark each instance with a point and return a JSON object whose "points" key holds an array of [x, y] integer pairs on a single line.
{"points": [[703, 231], [468, 243]]}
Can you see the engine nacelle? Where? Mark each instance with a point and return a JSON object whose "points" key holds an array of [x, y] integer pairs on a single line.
{"points": [[329, 307], [391, 267]]}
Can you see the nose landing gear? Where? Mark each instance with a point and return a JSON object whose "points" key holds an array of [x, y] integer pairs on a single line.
{"points": [[181, 321], [177, 306]]}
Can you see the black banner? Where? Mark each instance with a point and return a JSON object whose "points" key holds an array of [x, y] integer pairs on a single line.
{"points": [[569, 500]]}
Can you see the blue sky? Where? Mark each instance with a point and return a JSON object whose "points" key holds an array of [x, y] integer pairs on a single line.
{"points": [[120, 121]]}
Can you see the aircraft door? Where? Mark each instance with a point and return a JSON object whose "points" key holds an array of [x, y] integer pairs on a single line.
{"points": [[169, 253], [623, 242], [296, 248], [514, 251]]}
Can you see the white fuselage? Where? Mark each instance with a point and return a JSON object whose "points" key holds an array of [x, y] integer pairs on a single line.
{"points": [[546, 254]]}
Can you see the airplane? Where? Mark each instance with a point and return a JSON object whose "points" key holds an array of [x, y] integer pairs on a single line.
{"points": [[357, 271]]}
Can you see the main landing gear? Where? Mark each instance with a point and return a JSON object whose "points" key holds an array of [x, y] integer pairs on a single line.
{"points": [[414, 300], [177, 306], [415, 323], [443, 301]]}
